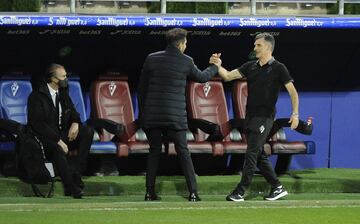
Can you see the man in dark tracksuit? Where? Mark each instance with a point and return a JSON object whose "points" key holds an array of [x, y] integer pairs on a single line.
{"points": [[54, 120], [265, 77], [162, 101]]}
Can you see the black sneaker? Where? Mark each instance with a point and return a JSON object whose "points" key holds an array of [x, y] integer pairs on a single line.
{"points": [[194, 197], [276, 193], [151, 196], [235, 196]]}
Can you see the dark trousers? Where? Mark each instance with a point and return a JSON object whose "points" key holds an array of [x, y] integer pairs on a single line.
{"points": [[155, 138], [66, 166], [257, 131]]}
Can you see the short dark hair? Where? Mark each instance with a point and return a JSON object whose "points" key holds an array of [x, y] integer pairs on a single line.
{"points": [[50, 71], [268, 38], [176, 36]]}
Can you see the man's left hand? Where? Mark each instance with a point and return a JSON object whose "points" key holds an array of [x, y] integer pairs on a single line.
{"points": [[73, 131], [294, 120]]}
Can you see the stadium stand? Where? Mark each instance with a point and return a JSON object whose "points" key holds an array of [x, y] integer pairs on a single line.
{"points": [[106, 3], [54, 2]]}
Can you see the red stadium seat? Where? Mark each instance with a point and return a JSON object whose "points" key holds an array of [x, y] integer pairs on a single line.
{"points": [[206, 101], [111, 100]]}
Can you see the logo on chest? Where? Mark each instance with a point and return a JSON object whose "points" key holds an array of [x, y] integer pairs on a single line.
{"points": [[262, 129]]}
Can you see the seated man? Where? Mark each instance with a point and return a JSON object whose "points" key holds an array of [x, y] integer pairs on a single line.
{"points": [[53, 118]]}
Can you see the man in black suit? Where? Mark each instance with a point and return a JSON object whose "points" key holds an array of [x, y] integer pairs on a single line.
{"points": [[163, 105], [54, 120]]}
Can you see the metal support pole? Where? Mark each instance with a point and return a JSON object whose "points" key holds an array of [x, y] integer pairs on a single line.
{"points": [[72, 7], [341, 7], [163, 6], [253, 7]]}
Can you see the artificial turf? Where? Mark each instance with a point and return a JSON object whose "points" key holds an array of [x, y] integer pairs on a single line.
{"points": [[297, 208], [300, 181], [316, 196]]}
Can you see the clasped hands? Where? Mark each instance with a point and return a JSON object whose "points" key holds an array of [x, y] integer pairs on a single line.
{"points": [[73, 132], [215, 59]]}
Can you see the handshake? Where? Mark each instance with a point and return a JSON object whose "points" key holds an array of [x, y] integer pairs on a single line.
{"points": [[215, 59]]}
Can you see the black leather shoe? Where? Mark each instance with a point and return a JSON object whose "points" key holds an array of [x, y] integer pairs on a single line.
{"points": [[194, 197], [151, 197], [67, 191], [78, 181], [77, 193]]}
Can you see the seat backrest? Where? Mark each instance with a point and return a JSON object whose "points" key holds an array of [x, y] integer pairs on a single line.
{"points": [[77, 98], [13, 101], [207, 101], [87, 103], [111, 99], [240, 93]]}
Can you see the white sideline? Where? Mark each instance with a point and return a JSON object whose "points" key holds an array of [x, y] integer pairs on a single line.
{"points": [[176, 208]]}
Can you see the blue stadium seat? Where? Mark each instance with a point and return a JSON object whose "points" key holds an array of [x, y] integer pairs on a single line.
{"points": [[97, 147], [14, 92], [77, 98], [87, 102], [13, 101]]}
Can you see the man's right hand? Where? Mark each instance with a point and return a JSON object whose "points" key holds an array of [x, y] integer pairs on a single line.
{"points": [[215, 59], [63, 146]]}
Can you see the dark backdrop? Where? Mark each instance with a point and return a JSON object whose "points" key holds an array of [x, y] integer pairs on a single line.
{"points": [[319, 60]]}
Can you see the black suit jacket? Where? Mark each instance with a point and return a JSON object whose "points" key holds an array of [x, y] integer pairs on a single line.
{"points": [[42, 116], [162, 88]]}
